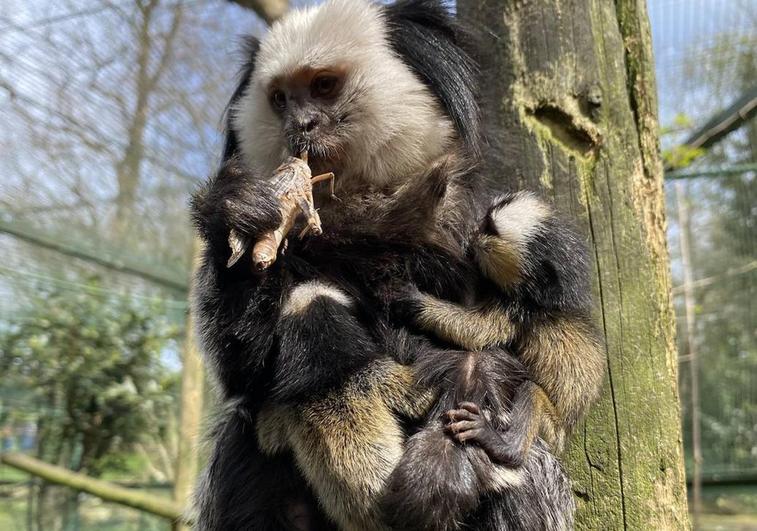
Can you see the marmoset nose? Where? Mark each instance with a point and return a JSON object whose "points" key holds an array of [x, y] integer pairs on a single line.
{"points": [[309, 124], [304, 126]]}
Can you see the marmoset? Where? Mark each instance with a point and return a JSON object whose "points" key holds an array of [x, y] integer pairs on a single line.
{"points": [[385, 97]]}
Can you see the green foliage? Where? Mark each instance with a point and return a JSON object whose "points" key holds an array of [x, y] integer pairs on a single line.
{"points": [[679, 156], [681, 122], [92, 364], [723, 248]]}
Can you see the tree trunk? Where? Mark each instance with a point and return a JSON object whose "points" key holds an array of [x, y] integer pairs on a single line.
{"points": [[268, 10], [192, 384], [129, 167], [692, 352], [570, 89]]}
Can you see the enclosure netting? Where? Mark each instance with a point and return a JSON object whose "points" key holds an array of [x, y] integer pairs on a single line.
{"points": [[111, 114]]}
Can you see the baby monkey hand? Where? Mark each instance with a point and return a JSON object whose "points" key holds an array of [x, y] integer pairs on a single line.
{"points": [[467, 425]]}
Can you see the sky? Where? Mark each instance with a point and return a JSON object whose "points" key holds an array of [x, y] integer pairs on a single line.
{"points": [[681, 28]]}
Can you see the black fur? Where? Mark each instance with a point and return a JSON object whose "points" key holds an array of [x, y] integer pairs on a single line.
{"points": [[435, 46], [233, 476], [535, 505], [438, 484], [318, 351], [556, 268], [543, 502], [250, 47], [224, 202], [288, 359]]}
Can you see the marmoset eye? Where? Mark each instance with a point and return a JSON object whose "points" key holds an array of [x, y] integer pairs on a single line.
{"points": [[278, 100], [324, 86]]}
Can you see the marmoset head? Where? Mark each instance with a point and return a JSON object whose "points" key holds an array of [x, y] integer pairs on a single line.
{"points": [[373, 93]]}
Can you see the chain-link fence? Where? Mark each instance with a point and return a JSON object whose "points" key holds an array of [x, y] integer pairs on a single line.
{"points": [[111, 114], [706, 60]]}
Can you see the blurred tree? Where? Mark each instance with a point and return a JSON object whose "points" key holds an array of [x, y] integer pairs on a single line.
{"points": [[724, 260], [680, 155], [113, 113], [268, 10], [153, 57], [91, 364]]}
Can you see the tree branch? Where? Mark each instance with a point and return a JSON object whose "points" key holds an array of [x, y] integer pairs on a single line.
{"points": [[168, 47], [724, 122], [102, 489], [268, 10]]}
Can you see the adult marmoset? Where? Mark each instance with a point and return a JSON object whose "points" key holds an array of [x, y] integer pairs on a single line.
{"points": [[379, 95]]}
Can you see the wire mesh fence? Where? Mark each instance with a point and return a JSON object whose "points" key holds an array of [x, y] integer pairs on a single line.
{"points": [[112, 114], [722, 258], [706, 59]]}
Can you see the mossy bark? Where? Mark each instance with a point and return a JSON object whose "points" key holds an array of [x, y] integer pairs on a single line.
{"points": [[571, 96]]}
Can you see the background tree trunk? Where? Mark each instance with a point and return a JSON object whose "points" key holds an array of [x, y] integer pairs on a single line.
{"points": [[192, 394], [571, 91]]}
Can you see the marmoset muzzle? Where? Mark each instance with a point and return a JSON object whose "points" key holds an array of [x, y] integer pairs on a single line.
{"points": [[305, 126]]}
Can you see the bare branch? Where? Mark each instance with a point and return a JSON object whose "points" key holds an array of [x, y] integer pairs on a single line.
{"points": [[268, 10], [107, 491], [168, 47]]}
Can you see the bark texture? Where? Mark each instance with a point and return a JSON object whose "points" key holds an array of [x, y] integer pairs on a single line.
{"points": [[192, 389], [570, 87]]}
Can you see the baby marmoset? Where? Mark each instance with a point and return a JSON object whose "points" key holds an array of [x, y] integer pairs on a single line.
{"points": [[348, 441]]}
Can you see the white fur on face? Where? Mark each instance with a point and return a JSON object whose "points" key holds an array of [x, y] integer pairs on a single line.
{"points": [[395, 126]]}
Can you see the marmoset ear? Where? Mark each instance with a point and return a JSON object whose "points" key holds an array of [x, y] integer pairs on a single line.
{"points": [[434, 45], [249, 49]]}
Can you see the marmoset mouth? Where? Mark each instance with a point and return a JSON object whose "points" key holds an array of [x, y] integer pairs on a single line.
{"points": [[321, 158]]}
